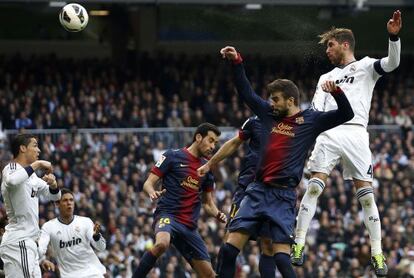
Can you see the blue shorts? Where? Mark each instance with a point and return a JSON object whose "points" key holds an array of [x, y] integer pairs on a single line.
{"points": [[264, 204], [187, 241], [237, 198]]}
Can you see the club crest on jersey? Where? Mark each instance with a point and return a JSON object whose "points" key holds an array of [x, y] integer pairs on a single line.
{"points": [[34, 193], [299, 120], [353, 68], [284, 129], [346, 79], [190, 182], [69, 243]]}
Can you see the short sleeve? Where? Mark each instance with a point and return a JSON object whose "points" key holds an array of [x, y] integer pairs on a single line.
{"points": [[163, 164]]}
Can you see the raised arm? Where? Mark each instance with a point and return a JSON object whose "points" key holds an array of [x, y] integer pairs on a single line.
{"points": [[97, 240], [392, 61], [16, 175], [225, 151], [259, 106], [333, 118]]}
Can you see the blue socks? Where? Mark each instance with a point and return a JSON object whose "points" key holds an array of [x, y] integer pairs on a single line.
{"points": [[284, 265], [267, 266], [227, 267], [145, 265]]}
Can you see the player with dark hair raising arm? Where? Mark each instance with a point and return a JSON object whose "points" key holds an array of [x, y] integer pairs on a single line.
{"points": [[287, 134], [350, 141], [178, 208]]}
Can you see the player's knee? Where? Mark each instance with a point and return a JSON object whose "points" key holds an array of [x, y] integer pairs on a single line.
{"points": [[159, 248], [267, 247], [208, 273], [315, 187]]}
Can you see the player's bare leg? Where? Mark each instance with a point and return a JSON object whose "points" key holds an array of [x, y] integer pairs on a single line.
{"points": [[148, 260], [203, 268], [365, 195], [230, 250], [281, 256], [306, 212]]}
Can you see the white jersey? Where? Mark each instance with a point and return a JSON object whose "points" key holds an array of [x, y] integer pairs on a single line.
{"points": [[71, 246], [21, 200], [357, 80]]}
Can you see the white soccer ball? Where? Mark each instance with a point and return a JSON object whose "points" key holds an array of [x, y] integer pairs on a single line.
{"points": [[73, 17]]}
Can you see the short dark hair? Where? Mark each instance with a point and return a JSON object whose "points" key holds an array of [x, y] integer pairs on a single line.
{"points": [[341, 35], [64, 191], [204, 128], [287, 87], [22, 139]]}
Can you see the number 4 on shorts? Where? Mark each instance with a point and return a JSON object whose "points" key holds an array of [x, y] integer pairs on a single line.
{"points": [[370, 171]]}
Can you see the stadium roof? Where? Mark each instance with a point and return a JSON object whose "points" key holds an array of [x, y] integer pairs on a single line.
{"points": [[367, 3]]}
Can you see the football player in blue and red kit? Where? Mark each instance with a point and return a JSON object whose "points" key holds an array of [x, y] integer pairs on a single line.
{"points": [[287, 134], [178, 208], [250, 132]]}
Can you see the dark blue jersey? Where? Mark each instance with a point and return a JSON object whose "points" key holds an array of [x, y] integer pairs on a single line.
{"points": [[250, 131], [286, 141], [182, 200]]}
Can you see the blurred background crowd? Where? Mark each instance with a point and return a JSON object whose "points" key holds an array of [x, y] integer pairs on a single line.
{"points": [[106, 170]]}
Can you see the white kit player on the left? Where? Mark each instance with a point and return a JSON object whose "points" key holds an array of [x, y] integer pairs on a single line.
{"points": [[71, 239], [21, 188]]}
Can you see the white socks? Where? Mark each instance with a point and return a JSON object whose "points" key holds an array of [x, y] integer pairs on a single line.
{"points": [[372, 221], [308, 208]]}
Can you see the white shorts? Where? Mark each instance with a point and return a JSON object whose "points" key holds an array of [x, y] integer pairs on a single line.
{"points": [[348, 144], [21, 259]]}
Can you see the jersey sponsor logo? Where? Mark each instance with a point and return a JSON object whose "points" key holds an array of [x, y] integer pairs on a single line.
{"points": [[160, 161], [190, 182], [346, 79], [70, 243], [34, 193], [284, 129]]}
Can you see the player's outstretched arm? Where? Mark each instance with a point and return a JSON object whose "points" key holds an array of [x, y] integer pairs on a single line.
{"points": [[344, 113], [392, 61], [259, 106], [225, 151], [149, 187], [211, 208]]}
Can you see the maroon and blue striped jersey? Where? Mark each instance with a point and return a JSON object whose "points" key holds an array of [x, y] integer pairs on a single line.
{"points": [[182, 200], [285, 141]]}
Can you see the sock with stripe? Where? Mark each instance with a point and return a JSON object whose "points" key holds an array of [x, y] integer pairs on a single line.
{"points": [[372, 221], [308, 208], [145, 265]]}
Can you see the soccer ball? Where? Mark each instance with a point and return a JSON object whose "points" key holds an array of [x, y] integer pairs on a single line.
{"points": [[73, 17]]}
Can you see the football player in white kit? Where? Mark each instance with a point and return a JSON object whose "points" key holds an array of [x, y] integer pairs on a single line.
{"points": [[20, 189], [349, 142], [71, 239]]}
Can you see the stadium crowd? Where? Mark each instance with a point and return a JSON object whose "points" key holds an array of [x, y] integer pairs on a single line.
{"points": [[107, 171]]}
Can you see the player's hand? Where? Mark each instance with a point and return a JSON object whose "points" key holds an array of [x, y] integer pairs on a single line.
{"points": [[229, 52], [96, 228], [221, 216], [47, 265], [395, 23], [329, 86], [203, 170], [155, 195], [50, 179], [43, 165]]}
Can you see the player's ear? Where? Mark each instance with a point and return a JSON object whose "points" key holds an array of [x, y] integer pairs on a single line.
{"points": [[199, 138], [23, 148]]}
